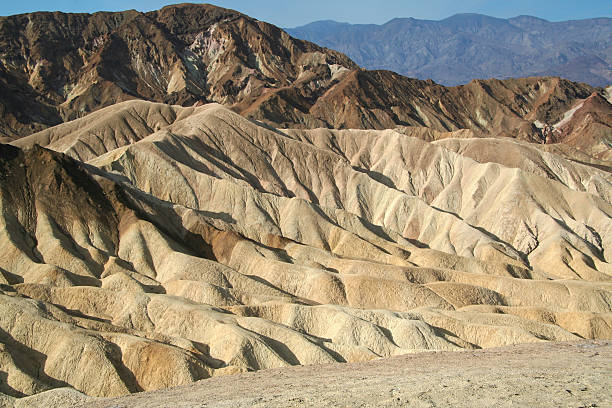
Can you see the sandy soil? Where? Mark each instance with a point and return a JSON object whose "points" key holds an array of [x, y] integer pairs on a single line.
{"points": [[542, 375]]}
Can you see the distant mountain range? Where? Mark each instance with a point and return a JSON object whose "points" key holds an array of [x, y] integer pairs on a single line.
{"points": [[468, 46]]}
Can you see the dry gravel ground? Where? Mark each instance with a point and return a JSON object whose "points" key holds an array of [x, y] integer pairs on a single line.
{"points": [[577, 374]]}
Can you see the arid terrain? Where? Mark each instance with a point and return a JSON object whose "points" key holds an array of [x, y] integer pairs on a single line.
{"points": [[149, 243], [214, 245]]}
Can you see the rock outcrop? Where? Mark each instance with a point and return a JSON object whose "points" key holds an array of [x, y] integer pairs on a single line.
{"points": [[56, 67]]}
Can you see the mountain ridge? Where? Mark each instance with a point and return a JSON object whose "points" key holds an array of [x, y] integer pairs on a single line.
{"points": [[522, 46], [180, 54], [57, 67]]}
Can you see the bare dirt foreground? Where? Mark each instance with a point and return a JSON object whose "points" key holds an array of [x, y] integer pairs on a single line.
{"points": [[577, 374]]}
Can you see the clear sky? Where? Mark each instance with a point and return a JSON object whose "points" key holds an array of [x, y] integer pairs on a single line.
{"points": [[291, 13]]}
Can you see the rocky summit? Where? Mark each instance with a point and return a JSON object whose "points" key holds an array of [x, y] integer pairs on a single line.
{"points": [[191, 193]]}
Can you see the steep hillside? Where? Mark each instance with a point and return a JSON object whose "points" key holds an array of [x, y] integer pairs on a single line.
{"points": [[56, 67], [467, 46]]}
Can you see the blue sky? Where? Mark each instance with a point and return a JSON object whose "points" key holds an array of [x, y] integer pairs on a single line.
{"points": [[290, 13]]}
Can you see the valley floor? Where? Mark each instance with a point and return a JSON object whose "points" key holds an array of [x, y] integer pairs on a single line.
{"points": [[576, 374]]}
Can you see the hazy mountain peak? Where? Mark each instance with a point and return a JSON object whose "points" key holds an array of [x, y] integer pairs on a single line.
{"points": [[528, 19], [471, 17]]}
